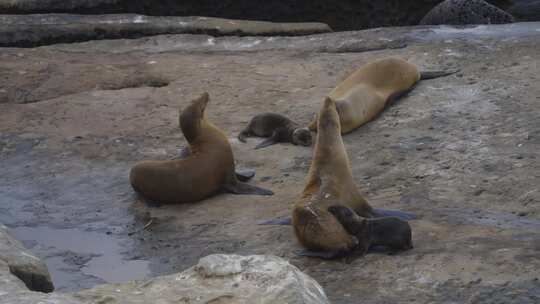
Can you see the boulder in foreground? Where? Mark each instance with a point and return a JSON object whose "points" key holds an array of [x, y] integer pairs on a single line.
{"points": [[24, 265], [220, 278]]}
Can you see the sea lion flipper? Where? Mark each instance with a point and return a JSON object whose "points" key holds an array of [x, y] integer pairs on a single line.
{"points": [[436, 74], [268, 141], [244, 175], [277, 221], [243, 188], [407, 216], [327, 255]]}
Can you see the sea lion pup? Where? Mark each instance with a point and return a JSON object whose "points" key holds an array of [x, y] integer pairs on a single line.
{"points": [[391, 233], [277, 128], [207, 168], [365, 93]]}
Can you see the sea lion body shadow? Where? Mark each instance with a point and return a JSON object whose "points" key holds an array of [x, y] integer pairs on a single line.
{"points": [[366, 92], [205, 169]]}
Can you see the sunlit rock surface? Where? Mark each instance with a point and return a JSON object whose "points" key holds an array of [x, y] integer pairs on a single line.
{"points": [[35, 30]]}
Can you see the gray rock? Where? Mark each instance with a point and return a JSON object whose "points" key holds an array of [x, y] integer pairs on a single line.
{"points": [[461, 12], [34, 30], [340, 15], [525, 10], [229, 278], [27, 267], [220, 278], [9, 284]]}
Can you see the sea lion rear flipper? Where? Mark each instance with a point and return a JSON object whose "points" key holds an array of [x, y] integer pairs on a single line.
{"points": [[268, 141], [244, 175], [327, 255], [407, 216], [243, 188], [436, 74], [277, 221]]}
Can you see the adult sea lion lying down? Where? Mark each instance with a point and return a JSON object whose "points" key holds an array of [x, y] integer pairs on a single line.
{"points": [[207, 168], [365, 93]]}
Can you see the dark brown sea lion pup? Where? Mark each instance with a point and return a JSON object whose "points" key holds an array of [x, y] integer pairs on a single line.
{"points": [[207, 169], [277, 128], [391, 233], [365, 93]]}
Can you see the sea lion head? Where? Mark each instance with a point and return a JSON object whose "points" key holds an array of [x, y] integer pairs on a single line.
{"points": [[301, 136], [193, 116], [328, 115]]}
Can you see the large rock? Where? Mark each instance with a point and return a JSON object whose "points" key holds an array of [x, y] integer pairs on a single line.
{"points": [[340, 15], [215, 279], [525, 10], [461, 12], [27, 267], [220, 279], [33, 30]]}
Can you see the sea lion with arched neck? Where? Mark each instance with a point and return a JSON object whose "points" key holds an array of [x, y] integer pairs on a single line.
{"points": [[205, 170], [330, 185]]}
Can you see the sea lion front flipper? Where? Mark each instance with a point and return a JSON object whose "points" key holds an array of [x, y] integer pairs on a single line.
{"points": [[407, 216], [272, 140], [243, 188], [277, 221], [327, 255], [244, 175]]}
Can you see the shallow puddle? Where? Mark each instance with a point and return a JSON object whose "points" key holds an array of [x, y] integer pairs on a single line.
{"points": [[66, 251], [72, 212]]}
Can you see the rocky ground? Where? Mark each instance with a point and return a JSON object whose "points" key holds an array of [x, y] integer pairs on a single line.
{"points": [[459, 151]]}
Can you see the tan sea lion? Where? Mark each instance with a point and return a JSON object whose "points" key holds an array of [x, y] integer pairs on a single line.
{"points": [[365, 93], [207, 168], [277, 128], [330, 184]]}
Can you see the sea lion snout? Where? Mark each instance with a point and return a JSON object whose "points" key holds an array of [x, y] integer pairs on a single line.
{"points": [[302, 136], [328, 116]]}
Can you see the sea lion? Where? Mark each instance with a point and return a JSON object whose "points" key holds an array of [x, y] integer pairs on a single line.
{"points": [[329, 183], [207, 168], [390, 233], [277, 128], [365, 93]]}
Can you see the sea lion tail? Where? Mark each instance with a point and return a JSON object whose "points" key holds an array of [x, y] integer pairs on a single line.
{"points": [[436, 74], [277, 221]]}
